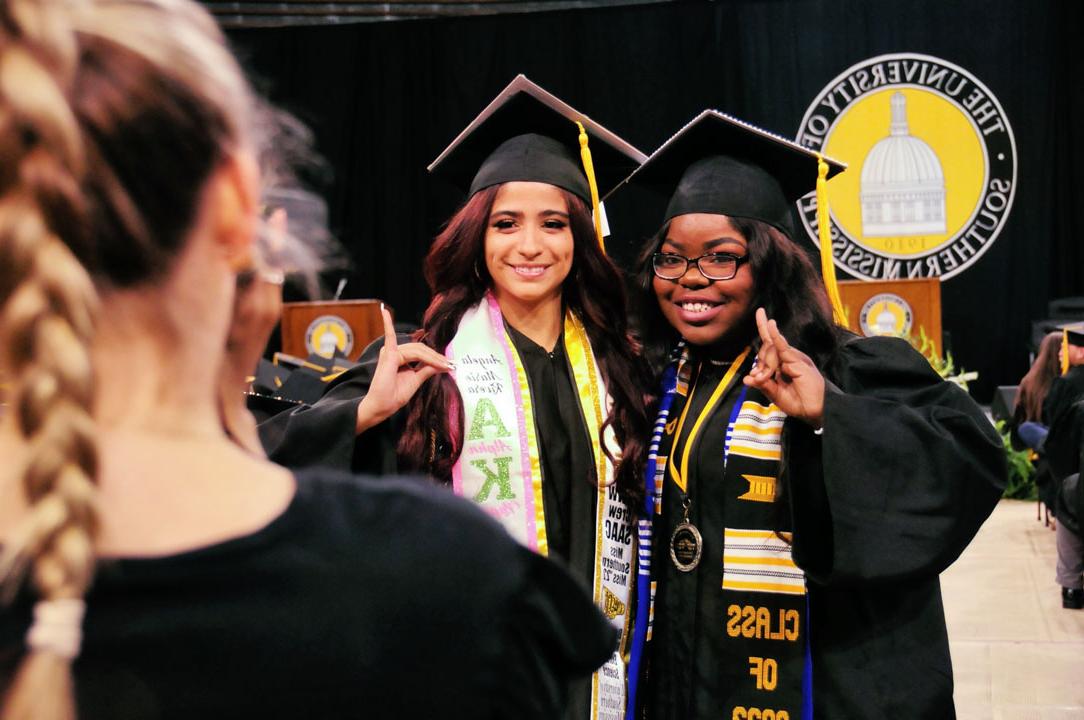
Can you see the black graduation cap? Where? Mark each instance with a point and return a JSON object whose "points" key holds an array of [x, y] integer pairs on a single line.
{"points": [[1074, 333], [269, 377], [1071, 334], [721, 165], [528, 134]]}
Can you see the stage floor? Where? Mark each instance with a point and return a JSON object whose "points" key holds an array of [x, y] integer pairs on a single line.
{"points": [[1016, 654]]}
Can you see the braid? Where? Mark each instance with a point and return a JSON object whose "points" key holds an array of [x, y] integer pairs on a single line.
{"points": [[113, 116], [47, 309]]}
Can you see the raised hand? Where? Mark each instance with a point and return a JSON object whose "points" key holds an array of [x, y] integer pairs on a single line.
{"points": [[787, 375], [400, 371]]}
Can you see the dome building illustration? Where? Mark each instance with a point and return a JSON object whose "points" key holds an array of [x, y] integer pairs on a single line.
{"points": [[902, 183]]}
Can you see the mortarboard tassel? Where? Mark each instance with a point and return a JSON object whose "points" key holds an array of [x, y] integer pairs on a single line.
{"points": [[1064, 353], [828, 267], [589, 171]]}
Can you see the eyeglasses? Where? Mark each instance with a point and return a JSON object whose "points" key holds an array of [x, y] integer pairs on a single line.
{"points": [[713, 266]]}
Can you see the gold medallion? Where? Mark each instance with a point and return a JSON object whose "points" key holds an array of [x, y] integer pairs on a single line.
{"points": [[686, 546]]}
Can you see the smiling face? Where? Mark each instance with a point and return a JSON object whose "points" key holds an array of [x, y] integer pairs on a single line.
{"points": [[706, 312], [528, 243]]}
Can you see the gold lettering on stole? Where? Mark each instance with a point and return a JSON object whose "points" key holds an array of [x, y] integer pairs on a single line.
{"points": [[766, 671], [750, 621], [761, 488]]}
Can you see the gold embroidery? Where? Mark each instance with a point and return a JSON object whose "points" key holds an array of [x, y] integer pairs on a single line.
{"points": [[612, 605], [761, 489]]}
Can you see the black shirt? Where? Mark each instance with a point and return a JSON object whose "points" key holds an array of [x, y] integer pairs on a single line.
{"points": [[364, 598]]}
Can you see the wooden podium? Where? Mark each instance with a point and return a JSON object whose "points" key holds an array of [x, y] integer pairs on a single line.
{"points": [[894, 307], [319, 327]]}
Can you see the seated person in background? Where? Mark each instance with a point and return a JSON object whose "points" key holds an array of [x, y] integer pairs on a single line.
{"points": [[1027, 429], [223, 585], [1034, 386], [1064, 412], [1062, 444]]}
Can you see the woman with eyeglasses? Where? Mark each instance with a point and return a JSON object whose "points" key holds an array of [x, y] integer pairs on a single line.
{"points": [[804, 486]]}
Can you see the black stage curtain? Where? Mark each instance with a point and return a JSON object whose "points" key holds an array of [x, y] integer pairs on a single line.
{"points": [[385, 98]]}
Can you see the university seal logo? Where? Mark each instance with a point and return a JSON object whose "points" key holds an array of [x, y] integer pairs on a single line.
{"points": [[932, 167], [326, 333], [885, 314]]}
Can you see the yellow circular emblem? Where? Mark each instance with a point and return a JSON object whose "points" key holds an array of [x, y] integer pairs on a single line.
{"points": [[329, 333], [931, 167], [885, 314]]}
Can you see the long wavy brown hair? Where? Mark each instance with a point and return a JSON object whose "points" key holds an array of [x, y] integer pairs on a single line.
{"points": [[594, 290], [1035, 384]]}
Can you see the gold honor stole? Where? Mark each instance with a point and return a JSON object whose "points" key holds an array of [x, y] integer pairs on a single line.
{"points": [[499, 467]]}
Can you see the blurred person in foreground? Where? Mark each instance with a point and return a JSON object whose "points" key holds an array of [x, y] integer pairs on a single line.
{"points": [[154, 567]]}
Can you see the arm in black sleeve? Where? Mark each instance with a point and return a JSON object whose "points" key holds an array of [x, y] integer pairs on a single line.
{"points": [[905, 472], [1053, 400], [553, 636], [325, 433], [1063, 443]]}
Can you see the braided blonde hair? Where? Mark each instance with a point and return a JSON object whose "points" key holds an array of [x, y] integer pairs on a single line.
{"points": [[113, 114]]}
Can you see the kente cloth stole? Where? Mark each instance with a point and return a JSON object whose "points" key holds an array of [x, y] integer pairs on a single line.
{"points": [[767, 665], [499, 467]]}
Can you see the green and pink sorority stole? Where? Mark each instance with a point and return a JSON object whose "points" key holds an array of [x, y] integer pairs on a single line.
{"points": [[500, 469]]}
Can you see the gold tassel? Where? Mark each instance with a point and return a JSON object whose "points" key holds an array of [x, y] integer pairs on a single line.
{"points": [[1064, 351], [828, 267], [589, 170]]}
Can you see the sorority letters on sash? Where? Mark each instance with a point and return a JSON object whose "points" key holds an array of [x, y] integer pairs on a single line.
{"points": [[500, 469]]}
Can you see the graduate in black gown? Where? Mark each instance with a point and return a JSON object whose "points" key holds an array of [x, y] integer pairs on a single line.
{"points": [[544, 391], [1060, 415], [1063, 409], [806, 485]]}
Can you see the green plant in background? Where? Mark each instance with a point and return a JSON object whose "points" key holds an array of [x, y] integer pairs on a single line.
{"points": [[1021, 472], [944, 366]]}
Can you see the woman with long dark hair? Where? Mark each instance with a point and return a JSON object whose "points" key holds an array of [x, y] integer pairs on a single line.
{"points": [[1028, 405], [541, 416], [1027, 427], [804, 486]]}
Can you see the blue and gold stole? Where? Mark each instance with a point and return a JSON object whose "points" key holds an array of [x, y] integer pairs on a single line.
{"points": [[500, 469], [767, 663]]}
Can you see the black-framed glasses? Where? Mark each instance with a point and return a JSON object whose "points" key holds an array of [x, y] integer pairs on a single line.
{"points": [[713, 266]]}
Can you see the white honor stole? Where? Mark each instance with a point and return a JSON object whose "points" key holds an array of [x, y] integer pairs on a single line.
{"points": [[499, 467]]}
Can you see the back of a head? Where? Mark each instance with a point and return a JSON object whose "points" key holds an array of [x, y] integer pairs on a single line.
{"points": [[113, 115], [1035, 384]]}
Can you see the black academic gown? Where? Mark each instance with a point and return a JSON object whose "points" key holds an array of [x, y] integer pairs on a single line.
{"points": [[1064, 416], [905, 472], [322, 434], [1063, 392]]}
